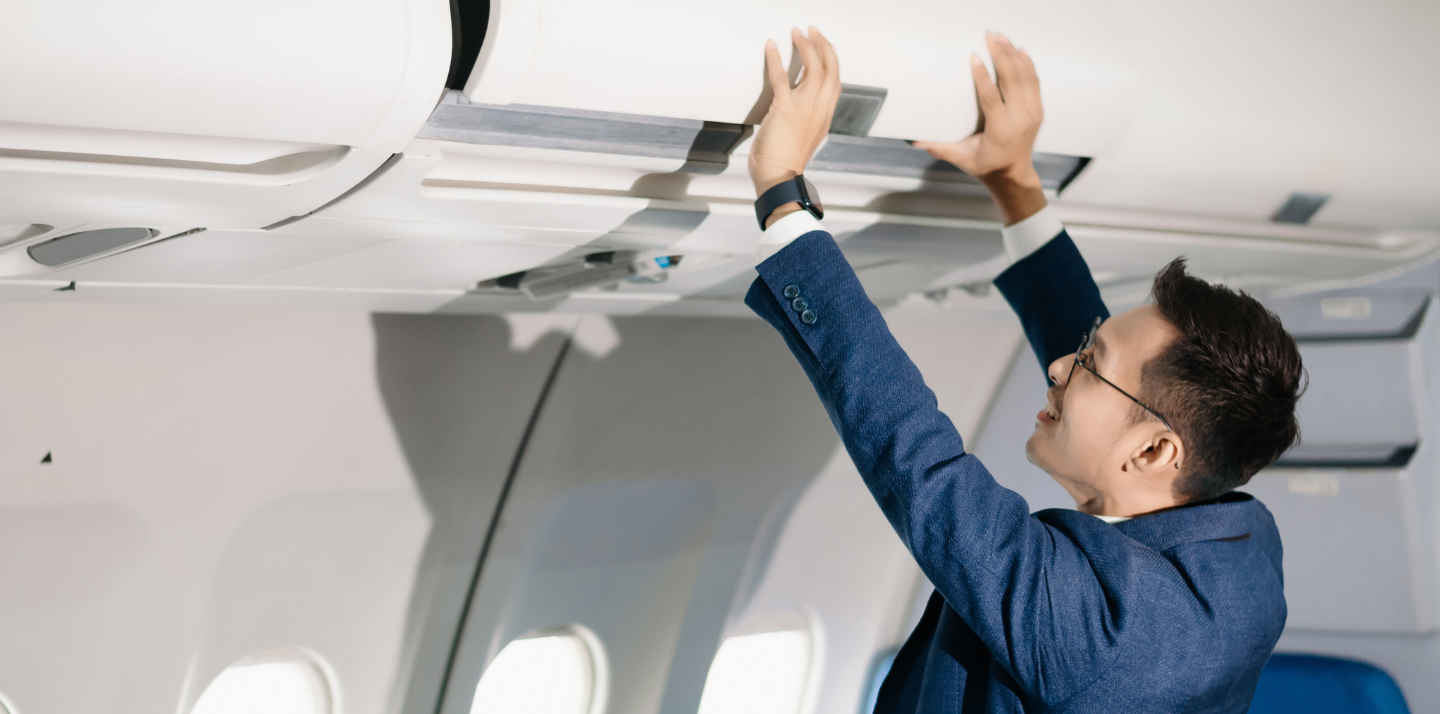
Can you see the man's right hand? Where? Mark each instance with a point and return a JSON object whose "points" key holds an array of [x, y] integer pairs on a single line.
{"points": [[1010, 115], [799, 117]]}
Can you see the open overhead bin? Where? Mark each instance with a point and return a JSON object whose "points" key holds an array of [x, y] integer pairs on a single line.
{"points": [[669, 59], [221, 115]]}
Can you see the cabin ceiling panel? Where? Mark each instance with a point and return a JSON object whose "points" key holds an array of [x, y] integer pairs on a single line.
{"points": [[1243, 103], [214, 258], [414, 265]]}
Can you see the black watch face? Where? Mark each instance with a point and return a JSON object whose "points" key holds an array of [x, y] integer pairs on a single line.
{"points": [[811, 195]]}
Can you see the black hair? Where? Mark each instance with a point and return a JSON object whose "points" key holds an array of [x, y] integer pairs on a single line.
{"points": [[1228, 384]]}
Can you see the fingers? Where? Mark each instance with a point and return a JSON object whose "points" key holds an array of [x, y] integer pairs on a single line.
{"points": [[814, 76], [775, 70], [985, 90], [1033, 82], [1002, 55], [1028, 65], [1019, 84], [830, 58]]}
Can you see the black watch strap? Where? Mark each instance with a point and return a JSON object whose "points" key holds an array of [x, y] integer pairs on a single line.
{"points": [[795, 190]]}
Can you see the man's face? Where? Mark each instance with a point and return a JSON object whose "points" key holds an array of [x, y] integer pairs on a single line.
{"points": [[1085, 434]]}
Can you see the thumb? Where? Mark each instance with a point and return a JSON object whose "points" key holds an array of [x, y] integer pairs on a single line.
{"points": [[945, 151], [960, 153]]}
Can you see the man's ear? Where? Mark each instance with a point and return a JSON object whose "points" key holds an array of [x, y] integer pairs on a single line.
{"points": [[1161, 454]]}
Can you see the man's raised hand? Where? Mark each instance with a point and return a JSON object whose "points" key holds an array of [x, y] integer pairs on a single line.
{"points": [[999, 154], [799, 117]]}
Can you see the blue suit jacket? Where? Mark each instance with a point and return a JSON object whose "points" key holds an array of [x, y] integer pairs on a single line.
{"points": [[1055, 611]]}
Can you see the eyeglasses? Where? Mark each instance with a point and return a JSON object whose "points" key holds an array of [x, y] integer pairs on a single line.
{"points": [[1088, 341]]}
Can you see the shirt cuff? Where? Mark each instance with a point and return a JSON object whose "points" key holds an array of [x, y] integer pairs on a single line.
{"points": [[787, 229], [1028, 235]]}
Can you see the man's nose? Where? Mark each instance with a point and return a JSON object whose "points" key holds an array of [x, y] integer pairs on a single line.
{"points": [[1059, 371]]}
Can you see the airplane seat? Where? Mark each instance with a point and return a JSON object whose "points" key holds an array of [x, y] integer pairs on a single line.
{"points": [[1314, 684]]}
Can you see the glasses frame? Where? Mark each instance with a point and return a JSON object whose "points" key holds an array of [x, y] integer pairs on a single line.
{"points": [[1086, 342]]}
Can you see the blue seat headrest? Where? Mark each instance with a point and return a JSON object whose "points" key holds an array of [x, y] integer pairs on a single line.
{"points": [[1311, 684]]}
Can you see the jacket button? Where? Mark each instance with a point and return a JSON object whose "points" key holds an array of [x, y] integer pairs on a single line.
{"points": [[799, 304], [792, 292], [808, 317]]}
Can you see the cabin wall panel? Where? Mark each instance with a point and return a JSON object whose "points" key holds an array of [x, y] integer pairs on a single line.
{"points": [[642, 502], [251, 479]]}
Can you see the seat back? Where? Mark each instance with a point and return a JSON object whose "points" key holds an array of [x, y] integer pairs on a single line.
{"points": [[1313, 684]]}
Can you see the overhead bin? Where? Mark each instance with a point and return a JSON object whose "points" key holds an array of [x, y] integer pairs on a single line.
{"points": [[681, 60], [1357, 500], [220, 115]]}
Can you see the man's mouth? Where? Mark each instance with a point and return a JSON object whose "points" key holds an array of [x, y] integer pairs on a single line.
{"points": [[1051, 412]]}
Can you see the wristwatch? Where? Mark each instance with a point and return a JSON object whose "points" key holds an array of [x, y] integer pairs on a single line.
{"points": [[796, 189]]}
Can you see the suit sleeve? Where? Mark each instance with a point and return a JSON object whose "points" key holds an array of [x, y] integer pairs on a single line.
{"points": [[1057, 300], [1025, 587]]}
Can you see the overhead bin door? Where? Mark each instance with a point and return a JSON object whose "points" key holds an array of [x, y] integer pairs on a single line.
{"points": [[171, 113], [704, 61]]}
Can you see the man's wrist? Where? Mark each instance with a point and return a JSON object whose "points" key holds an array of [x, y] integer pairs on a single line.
{"points": [[766, 180], [1018, 193], [782, 212]]}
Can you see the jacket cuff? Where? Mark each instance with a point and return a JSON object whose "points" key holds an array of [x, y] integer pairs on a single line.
{"points": [[819, 295]]}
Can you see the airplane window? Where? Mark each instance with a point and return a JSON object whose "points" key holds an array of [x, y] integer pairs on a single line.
{"points": [[273, 683], [881, 668], [539, 674], [758, 674]]}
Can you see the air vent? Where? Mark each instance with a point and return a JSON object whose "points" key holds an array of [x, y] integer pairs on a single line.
{"points": [[594, 271], [857, 109], [1300, 207], [78, 246], [1348, 456]]}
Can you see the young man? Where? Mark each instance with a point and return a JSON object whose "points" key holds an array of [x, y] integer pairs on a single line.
{"points": [[1163, 591]]}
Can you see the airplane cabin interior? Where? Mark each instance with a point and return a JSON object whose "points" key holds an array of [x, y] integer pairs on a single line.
{"points": [[391, 357]]}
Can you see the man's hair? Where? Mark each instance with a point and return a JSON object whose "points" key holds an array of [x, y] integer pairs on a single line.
{"points": [[1228, 384]]}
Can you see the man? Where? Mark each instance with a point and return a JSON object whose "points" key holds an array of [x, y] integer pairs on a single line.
{"points": [[1163, 591]]}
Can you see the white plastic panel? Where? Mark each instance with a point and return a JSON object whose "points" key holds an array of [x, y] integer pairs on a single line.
{"points": [[240, 480], [175, 113], [56, 188], [640, 518], [1245, 102], [302, 260], [361, 73], [1355, 554], [671, 59]]}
